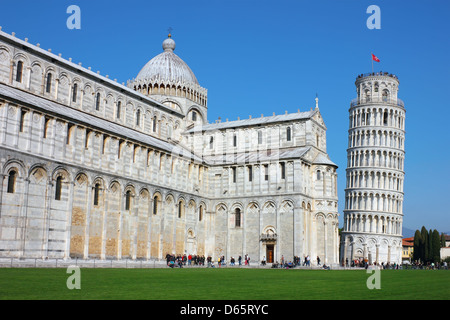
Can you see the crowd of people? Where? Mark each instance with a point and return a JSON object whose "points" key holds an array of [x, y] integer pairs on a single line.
{"points": [[181, 260], [428, 265], [364, 263]]}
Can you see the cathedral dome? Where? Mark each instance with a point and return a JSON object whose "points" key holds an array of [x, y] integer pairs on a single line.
{"points": [[167, 67]]}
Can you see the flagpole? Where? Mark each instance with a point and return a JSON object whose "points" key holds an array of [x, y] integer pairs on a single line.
{"points": [[371, 56]]}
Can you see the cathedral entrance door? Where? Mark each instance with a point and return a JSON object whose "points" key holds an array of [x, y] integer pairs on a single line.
{"points": [[269, 253]]}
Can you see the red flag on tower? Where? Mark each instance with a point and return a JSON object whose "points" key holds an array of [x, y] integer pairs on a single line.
{"points": [[375, 58]]}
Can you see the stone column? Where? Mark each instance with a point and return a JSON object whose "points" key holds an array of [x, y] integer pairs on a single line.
{"points": [[88, 221], [69, 220], [105, 195], [47, 210], [24, 216]]}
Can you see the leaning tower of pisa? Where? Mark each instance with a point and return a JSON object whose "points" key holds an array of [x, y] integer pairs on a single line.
{"points": [[373, 212]]}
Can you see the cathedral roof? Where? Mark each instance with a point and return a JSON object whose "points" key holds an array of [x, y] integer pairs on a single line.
{"points": [[257, 156], [323, 159], [254, 121], [167, 67], [89, 120]]}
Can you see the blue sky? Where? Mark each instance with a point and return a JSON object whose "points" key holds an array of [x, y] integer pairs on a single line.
{"points": [[258, 57]]}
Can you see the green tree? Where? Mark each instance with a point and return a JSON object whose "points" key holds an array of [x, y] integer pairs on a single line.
{"points": [[424, 244], [430, 246], [436, 246], [417, 249], [442, 240]]}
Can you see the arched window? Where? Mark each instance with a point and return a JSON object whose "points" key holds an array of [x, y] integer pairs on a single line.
{"points": [[22, 119], [283, 170], [180, 209], [138, 117], [155, 205], [318, 175], [385, 118], [97, 194], [119, 104], [154, 124], [11, 181], [74, 92], [58, 188], [237, 218], [69, 132], [211, 142], [288, 133], [259, 137], [97, 102], [128, 200], [200, 213], [48, 87], [46, 126], [19, 71], [86, 140], [194, 116]]}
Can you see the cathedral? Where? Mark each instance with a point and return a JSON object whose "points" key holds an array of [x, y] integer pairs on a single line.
{"points": [[95, 169]]}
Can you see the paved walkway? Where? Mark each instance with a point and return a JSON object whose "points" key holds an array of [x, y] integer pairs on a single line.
{"points": [[125, 263]]}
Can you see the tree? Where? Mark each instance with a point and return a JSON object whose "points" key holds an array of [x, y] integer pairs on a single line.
{"points": [[424, 244], [442, 240], [417, 249], [436, 246], [430, 246]]}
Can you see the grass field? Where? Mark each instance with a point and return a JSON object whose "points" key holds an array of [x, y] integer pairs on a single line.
{"points": [[222, 284]]}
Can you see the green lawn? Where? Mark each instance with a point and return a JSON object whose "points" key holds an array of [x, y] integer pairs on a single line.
{"points": [[223, 284]]}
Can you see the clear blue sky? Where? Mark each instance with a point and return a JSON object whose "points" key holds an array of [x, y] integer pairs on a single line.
{"points": [[258, 57]]}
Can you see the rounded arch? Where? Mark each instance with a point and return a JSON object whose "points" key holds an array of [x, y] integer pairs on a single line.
{"points": [[221, 207], [37, 166], [14, 164], [22, 57], [61, 171], [98, 180], [144, 193], [130, 187], [169, 198], [269, 206], [195, 114], [181, 206], [320, 215], [49, 69], [287, 205], [81, 178], [115, 186], [173, 104], [237, 205]]}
